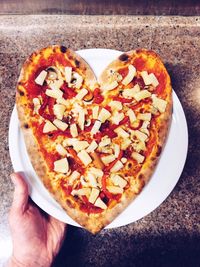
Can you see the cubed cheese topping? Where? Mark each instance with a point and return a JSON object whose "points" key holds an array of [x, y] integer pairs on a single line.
{"points": [[104, 115], [117, 117], [142, 95], [95, 112], [54, 93], [159, 103], [59, 110], [81, 192], [141, 136], [81, 119], [118, 165], [94, 195], [115, 105], [131, 74], [131, 115], [116, 150], [123, 160], [109, 86], [138, 146], [145, 77], [153, 79], [68, 74], [41, 77], [84, 157], [105, 141], [125, 143], [60, 124], [61, 150], [56, 84], [74, 176], [49, 127], [144, 116], [108, 159], [80, 145], [138, 157], [100, 204], [118, 180], [121, 132], [130, 93], [115, 189], [93, 145], [92, 179], [63, 101], [96, 127], [78, 80], [61, 165], [97, 172], [73, 130], [36, 101], [83, 92]]}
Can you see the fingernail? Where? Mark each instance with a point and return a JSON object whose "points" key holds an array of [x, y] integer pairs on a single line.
{"points": [[13, 178]]}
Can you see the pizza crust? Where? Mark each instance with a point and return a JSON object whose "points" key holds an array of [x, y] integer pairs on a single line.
{"points": [[93, 222]]}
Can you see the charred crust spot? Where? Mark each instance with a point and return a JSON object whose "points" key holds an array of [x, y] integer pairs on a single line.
{"points": [[77, 63], [63, 49], [141, 176], [21, 93], [123, 57], [26, 126], [159, 151]]}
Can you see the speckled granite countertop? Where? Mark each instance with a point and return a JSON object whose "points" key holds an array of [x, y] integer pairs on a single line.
{"points": [[170, 235]]}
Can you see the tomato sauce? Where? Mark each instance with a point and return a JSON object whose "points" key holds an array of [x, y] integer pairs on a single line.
{"points": [[98, 98], [123, 72], [139, 63], [162, 79]]}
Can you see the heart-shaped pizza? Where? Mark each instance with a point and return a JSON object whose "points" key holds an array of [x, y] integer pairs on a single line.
{"points": [[94, 144]]}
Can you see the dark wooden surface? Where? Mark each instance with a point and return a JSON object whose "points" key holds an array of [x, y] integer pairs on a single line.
{"points": [[101, 7]]}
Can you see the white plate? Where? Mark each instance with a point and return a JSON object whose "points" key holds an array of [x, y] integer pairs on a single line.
{"points": [[155, 192]]}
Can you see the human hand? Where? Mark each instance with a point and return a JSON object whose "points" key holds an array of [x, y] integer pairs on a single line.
{"points": [[36, 237]]}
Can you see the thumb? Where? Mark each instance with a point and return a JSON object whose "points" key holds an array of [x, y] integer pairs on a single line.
{"points": [[20, 197]]}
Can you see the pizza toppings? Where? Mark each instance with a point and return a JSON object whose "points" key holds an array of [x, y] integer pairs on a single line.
{"points": [[61, 150], [73, 130], [68, 74], [98, 133], [61, 165], [60, 124], [94, 195], [129, 77], [83, 92], [59, 110], [55, 93], [159, 103], [138, 157], [84, 157], [99, 203], [49, 127], [41, 77]]}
